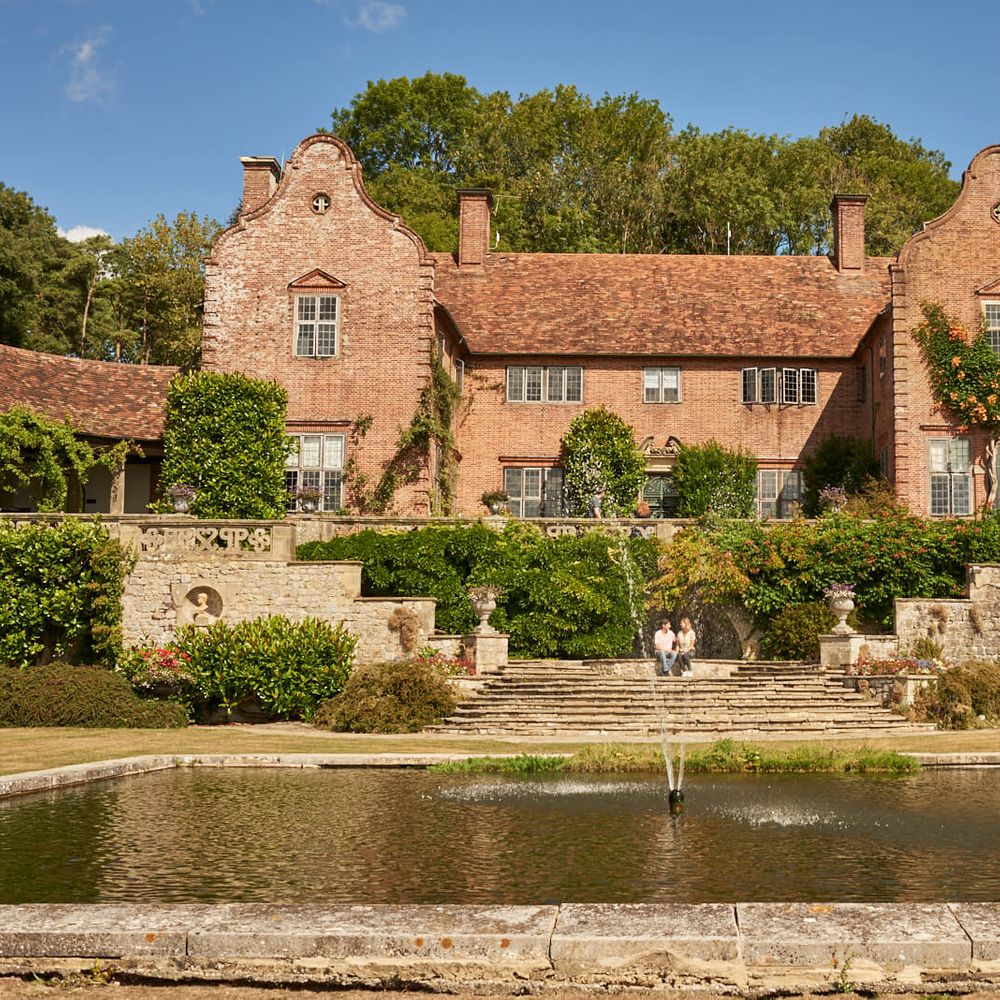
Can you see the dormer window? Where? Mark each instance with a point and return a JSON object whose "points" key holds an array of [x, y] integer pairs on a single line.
{"points": [[316, 326]]}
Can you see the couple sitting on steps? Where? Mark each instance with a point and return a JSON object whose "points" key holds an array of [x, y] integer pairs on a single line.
{"points": [[675, 650]]}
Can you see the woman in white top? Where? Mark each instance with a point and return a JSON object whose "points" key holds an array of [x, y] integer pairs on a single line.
{"points": [[686, 640]]}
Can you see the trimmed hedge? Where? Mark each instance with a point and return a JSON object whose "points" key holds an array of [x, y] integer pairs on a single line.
{"points": [[225, 436], [401, 696], [60, 694]]}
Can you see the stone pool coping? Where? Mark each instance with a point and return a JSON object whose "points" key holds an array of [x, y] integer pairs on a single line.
{"points": [[739, 947], [79, 774], [735, 947]]}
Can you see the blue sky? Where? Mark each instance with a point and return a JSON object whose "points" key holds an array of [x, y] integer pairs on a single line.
{"points": [[115, 110]]}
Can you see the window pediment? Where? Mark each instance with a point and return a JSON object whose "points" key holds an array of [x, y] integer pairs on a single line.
{"points": [[991, 289], [317, 280]]}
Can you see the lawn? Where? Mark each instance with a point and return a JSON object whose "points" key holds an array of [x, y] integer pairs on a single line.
{"points": [[37, 749]]}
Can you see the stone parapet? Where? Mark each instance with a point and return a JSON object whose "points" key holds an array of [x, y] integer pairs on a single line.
{"points": [[746, 947]]}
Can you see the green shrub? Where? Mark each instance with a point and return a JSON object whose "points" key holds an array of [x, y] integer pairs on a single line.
{"points": [[225, 435], [794, 633], [60, 593], [564, 597], [958, 696], [60, 694], [767, 567], [289, 666], [599, 452], [841, 461], [712, 479], [401, 696]]}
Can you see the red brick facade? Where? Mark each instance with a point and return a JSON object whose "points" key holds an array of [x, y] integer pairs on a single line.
{"points": [[320, 236], [322, 290], [703, 319]]}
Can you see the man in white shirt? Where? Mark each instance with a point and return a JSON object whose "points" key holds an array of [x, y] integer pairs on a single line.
{"points": [[665, 646]]}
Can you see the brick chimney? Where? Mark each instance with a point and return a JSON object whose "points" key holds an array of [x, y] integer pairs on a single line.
{"points": [[260, 180], [848, 231], [474, 206]]}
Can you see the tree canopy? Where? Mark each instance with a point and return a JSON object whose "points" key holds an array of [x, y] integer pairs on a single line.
{"points": [[573, 174], [133, 301]]}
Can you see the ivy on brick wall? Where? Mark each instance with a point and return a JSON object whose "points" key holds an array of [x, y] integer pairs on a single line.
{"points": [[225, 436], [60, 593], [429, 428]]}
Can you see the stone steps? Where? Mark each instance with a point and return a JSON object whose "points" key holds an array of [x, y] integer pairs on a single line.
{"points": [[547, 697]]}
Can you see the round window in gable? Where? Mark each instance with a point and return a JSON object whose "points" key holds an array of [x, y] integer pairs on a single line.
{"points": [[321, 203]]}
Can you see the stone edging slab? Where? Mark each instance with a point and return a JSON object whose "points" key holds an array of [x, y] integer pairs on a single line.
{"points": [[78, 774], [738, 946]]}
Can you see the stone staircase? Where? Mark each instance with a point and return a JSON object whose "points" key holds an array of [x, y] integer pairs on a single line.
{"points": [[545, 697]]}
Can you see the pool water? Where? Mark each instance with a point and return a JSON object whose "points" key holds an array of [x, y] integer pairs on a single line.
{"points": [[406, 836]]}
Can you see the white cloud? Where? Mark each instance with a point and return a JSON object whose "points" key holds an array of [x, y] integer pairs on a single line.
{"points": [[88, 80], [380, 15], [372, 15], [77, 234]]}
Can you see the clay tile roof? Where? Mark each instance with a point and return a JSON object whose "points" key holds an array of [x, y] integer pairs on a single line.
{"points": [[661, 304], [99, 398]]}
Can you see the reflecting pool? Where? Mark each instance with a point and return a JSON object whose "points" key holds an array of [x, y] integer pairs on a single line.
{"points": [[360, 835]]}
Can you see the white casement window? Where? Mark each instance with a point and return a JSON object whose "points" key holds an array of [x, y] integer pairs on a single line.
{"points": [[459, 374], [808, 386], [768, 380], [950, 470], [789, 385], [779, 493], [534, 492], [661, 385], [991, 320], [778, 385], [316, 318], [318, 461], [535, 384]]}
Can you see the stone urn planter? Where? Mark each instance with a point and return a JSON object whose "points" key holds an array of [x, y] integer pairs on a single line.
{"points": [[181, 497], [484, 603], [841, 600]]}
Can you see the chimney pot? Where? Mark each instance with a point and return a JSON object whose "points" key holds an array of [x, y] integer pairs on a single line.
{"points": [[848, 212], [474, 205]]}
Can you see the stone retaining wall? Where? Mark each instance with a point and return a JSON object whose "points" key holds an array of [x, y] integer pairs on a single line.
{"points": [[161, 594], [746, 947]]}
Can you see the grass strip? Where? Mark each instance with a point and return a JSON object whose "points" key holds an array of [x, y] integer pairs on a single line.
{"points": [[721, 757]]}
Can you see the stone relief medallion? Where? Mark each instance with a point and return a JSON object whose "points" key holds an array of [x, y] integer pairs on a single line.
{"points": [[995, 212], [198, 603]]}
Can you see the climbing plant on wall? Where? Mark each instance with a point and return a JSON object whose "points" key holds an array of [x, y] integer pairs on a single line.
{"points": [[43, 455], [225, 436], [964, 374]]}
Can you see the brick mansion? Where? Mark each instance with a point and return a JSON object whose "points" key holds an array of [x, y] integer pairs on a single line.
{"points": [[319, 288]]}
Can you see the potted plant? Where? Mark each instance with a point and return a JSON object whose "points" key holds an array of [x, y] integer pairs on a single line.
{"points": [[841, 599], [484, 603], [494, 500], [181, 495], [309, 498]]}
